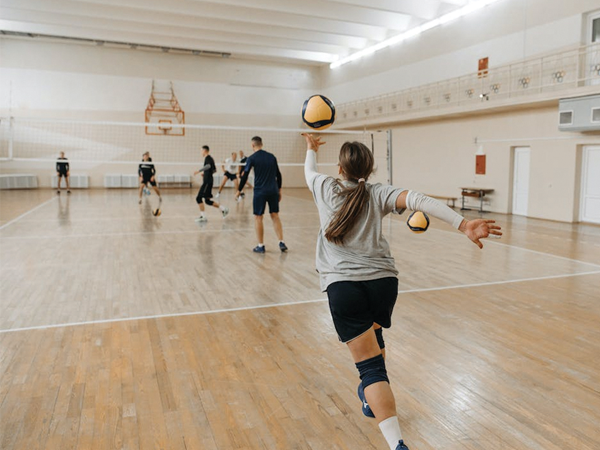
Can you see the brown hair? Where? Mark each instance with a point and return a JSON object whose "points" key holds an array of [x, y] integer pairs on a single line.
{"points": [[356, 162]]}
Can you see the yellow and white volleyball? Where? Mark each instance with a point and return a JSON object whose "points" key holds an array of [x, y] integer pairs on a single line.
{"points": [[156, 212], [418, 222], [318, 112]]}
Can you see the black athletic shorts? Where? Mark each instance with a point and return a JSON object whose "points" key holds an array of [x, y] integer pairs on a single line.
{"points": [[146, 180], [230, 176], [62, 173], [356, 305], [260, 202], [205, 192]]}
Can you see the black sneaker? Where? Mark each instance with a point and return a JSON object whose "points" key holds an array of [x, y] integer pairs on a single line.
{"points": [[402, 445], [259, 249], [283, 247], [366, 409]]}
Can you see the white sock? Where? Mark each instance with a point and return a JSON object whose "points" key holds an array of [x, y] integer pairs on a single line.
{"points": [[222, 208], [201, 213], [390, 428], [260, 244]]}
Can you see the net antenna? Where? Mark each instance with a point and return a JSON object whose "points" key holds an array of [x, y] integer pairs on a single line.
{"points": [[163, 111]]}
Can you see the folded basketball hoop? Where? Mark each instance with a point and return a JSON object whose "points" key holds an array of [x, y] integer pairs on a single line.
{"points": [[164, 116]]}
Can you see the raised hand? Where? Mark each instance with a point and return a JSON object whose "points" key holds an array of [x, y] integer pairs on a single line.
{"points": [[479, 229], [313, 143]]}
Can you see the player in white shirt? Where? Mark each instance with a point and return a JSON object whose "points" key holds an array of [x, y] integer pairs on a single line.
{"points": [[231, 170]]}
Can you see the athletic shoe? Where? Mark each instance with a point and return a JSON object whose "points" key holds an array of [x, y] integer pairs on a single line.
{"points": [[201, 219], [259, 249], [283, 247], [402, 445], [159, 199], [243, 195], [58, 192], [68, 192], [239, 199], [140, 202], [366, 409], [225, 211]]}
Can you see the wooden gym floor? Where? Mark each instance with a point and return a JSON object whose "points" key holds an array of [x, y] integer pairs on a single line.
{"points": [[119, 330]]}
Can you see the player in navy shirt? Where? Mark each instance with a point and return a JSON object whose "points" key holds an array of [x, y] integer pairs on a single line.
{"points": [[267, 190], [205, 192]]}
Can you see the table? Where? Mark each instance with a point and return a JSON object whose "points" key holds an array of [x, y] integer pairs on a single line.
{"points": [[476, 192]]}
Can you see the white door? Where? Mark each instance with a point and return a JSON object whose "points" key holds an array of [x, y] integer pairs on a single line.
{"points": [[521, 181], [590, 185]]}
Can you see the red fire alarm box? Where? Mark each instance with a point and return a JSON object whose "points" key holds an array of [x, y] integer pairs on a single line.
{"points": [[480, 164]]}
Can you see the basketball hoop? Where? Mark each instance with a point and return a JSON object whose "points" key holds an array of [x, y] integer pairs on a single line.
{"points": [[163, 111]]}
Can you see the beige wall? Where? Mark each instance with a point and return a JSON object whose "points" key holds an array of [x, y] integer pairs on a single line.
{"points": [[439, 158]]}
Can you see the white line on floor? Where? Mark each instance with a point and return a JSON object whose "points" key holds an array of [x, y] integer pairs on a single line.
{"points": [[142, 233], [27, 213], [274, 305], [488, 241]]}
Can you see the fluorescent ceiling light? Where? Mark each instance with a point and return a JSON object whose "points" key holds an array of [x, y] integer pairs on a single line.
{"points": [[473, 6]]}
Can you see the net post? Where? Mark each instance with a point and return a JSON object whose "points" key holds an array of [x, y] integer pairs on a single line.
{"points": [[389, 156], [11, 133]]}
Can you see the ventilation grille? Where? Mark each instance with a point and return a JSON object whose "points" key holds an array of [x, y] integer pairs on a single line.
{"points": [[565, 118]]}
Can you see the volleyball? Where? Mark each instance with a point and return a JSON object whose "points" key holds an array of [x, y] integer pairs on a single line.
{"points": [[156, 212], [318, 112], [418, 222]]}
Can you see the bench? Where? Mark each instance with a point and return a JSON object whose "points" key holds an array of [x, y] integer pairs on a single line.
{"points": [[447, 199]]}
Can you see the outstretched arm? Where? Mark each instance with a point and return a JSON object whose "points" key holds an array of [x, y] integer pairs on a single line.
{"points": [[474, 229], [310, 163]]}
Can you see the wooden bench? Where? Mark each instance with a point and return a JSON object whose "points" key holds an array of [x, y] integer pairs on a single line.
{"points": [[447, 199]]}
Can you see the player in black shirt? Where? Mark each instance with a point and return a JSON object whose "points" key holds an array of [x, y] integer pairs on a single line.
{"points": [[243, 160], [267, 190], [205, 192], [147, 173], [62, 170]]}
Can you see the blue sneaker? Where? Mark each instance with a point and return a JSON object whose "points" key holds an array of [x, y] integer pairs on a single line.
{"points": [[402, 445], [366, 409], [259, 249], [283, 247]]}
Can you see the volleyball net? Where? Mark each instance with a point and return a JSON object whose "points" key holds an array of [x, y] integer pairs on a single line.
{"points": [[88, 142], [100, 148]]}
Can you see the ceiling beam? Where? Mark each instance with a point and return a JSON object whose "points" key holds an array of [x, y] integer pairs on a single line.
{"points": [[183, 20], [164, 41]]}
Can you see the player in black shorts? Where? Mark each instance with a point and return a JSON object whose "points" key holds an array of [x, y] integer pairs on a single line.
{"points": [[147, 173], [267, 189], [205, 192], [243, 159], [62, 170], [230, 173]]}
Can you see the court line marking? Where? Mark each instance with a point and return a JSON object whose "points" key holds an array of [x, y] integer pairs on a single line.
{"points": [[27, 213], [142, 233], [489, 241], [275, 305]]}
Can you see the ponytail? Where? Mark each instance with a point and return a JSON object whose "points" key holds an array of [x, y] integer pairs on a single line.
{"points": [[356, 162], [344, 219]]}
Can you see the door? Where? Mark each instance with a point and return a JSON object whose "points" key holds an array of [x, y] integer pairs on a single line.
{"points": [[590, 185], [521, 180]]}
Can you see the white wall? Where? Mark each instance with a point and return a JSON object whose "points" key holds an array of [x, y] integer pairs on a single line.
{"points": [[439, 158], [65, 79], [507, 31]]}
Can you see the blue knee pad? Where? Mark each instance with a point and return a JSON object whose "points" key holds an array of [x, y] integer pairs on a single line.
{"points": [[379, 336], [372, 371]]}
